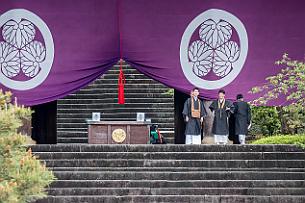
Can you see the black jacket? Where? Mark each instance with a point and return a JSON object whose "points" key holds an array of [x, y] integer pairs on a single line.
{"points": [[242, 117]]}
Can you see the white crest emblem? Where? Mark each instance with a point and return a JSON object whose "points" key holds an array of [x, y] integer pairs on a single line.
{"points": [[26, 51], [214, 44]]}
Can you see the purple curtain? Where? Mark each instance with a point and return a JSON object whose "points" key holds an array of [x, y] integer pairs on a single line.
{"points": [[212, 44], [54, 47], [49, 49]]}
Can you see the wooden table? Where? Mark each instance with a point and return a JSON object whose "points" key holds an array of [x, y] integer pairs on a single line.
{"points": [[118, 132]]}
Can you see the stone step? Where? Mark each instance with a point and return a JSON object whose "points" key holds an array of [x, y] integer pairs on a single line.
{"points": [[110, 96], [176, 198], [67, 126], [114, 90], [79, 118], [175, 163], [72, 133], [128, 76], [174, 173], [167, 133], [169, 138], [163, 123], [172, 191], [128, 80], [179, 183], [72, 140], [152, 175], [131, 100], [172, 169], [166, 148], [114, 110], [116, 117], [112, 105], [175, 155], [93, 87], [70, 129], [87, 115], [127, 70], [84, 125]]}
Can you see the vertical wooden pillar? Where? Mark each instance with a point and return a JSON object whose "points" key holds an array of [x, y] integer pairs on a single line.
{"points": [[44, 123], [179, 99]]}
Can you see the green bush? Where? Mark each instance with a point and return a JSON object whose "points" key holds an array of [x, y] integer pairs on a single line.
{"points": [[292, 119], [265, 121], [22, 176], [282, 139]]}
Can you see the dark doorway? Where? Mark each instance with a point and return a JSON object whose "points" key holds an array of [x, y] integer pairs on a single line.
{"points": [[179, 98], [44, 123]]}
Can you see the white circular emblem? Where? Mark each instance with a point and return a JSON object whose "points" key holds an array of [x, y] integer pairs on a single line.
{"points": [[26, 50], [208, 49]]}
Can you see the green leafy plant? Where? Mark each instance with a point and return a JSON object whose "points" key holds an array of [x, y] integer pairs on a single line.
{"points": [[292, 119], [288, 83], [22, 176], [265, 121], [283, 139]]}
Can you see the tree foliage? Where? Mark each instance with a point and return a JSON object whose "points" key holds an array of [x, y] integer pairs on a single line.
{"points": [[290, 84], [22, 176], [265, 121]]}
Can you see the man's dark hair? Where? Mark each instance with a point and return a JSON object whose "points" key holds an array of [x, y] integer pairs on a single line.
{"points": [[195, 88], [239, 96], [222, 91]]}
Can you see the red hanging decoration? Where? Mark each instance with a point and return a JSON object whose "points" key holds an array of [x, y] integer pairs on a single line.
{"points": [[121, 96], [121, 82]]}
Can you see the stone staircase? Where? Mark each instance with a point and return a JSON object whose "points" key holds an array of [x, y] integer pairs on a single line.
{"points": [[142, 94], [174, 173]]}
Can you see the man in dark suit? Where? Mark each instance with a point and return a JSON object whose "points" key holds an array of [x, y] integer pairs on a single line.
{"points": [[242, 118]]}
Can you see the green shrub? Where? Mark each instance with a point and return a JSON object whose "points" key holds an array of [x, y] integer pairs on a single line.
{"points": [[292, 119], [22, 177], [265, 121], [282, 139]]}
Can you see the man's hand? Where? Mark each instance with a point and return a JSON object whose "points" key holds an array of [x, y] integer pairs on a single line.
{"points": [[249, 126], [201, 119], [186, 119]]}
